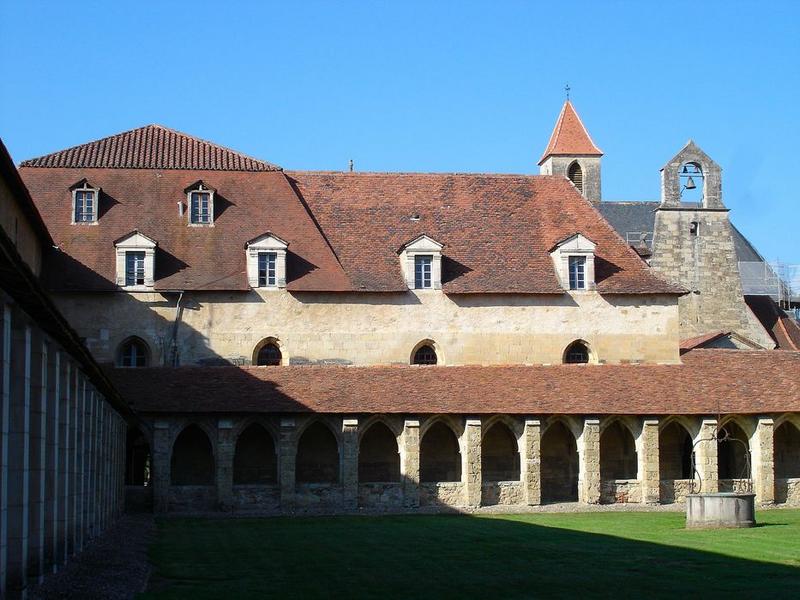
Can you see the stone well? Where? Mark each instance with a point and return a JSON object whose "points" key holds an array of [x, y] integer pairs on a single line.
{"points": [[729, 509]]}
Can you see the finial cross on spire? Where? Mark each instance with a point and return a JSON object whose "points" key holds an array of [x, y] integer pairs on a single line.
{"points": [[567, 89]]}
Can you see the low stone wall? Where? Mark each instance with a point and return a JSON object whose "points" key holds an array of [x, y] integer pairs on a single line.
{"points": [[787, 491], [740, 486], [318, 495], [138, 498], [444, 493], [620, 491], [675, 490], [380, 495], [256, 497], [502, 492], [189, 498]]}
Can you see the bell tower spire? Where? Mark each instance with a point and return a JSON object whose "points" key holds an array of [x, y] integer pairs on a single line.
{"points": [[572, 153]]}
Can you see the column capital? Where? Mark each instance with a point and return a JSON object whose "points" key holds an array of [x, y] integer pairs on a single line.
{"points": [[591, 421], [650, 422], [411, 423], [766, 421], [225, 424], [349, 423], [161, 424], [287, 423], [473, 423]]}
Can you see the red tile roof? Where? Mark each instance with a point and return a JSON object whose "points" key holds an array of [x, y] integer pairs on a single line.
{"points": [[497, 230], [709, 381], [569, 136], [151, 147], [783, 330], [343, 229]]}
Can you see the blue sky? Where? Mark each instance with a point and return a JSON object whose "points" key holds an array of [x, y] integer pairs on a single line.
{"points": [[428, 86]]}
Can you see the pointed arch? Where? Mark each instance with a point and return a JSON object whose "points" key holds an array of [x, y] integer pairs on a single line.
{"points": [[500, 460], [255, 461], [138, 459], [426, 352], [577, 352], [440, 453], [786, 450], [133, 352], [192, 460], [733, 451], [575, 175], [378, 455], [268, 353], [675, 447], [618, 456], [317, 459], [559, 463]]}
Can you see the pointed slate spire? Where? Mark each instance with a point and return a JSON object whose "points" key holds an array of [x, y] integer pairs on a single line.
{"points": [[570, 137]]}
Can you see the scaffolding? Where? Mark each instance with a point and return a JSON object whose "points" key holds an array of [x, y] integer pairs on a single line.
{"points": [[779, 280]]}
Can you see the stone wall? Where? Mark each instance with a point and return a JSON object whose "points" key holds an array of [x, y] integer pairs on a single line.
{"points": [[590, 166], [675, 490], [380, 495], [192, 498], [620, 491], [256, 497], [502, 492], [741, 486], [787, 491], [446, 493], [310, 496], [364, 329]]}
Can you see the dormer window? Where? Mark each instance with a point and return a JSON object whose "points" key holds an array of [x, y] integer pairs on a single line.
{"points": [[84, 202], [573, 259], [200, 199], [136, 254], [421, 263], [266, 262]]}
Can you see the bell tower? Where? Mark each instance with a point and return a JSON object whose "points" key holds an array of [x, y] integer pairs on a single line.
{"points": [[693, 247], [572, 154]]}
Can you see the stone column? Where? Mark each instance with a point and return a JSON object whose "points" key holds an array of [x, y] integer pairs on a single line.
{"points": [[74, 488], [226, 446], [38, 456], [531, 452], [649, 473], [589, 465], [81, 488], [350, 463], [763, 461], [409, 463], [471, 468], [52, 479], [706, 457], [5, 356], [286, 466], [18, 481], [64, 464], [161, 453], [91, 496]]}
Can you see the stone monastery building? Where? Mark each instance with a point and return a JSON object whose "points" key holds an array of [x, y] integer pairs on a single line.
{"points": [[292, 340]]}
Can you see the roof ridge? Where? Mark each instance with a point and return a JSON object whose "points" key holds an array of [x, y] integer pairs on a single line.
{"points": [[573, 141], [425, 174]]}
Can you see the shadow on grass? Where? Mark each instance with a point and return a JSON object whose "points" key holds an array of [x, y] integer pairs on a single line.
{"points": [[460, 556]]}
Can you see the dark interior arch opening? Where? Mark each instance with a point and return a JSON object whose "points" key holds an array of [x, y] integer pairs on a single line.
{"points": [[575, 175], [786, 449], [576, 353], [138, 462], [269, 355], [499, 454], [440, 455], [255, 461], [424, 355], [675, 452], [733, 453], [192, 461], [378, 457], [559, 465], [618, 459], [317, 456]]}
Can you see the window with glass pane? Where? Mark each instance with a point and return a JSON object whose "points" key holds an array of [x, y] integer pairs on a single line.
{"points": [[425, 355], [201, 207], [422, 272], [134, 268], [133, 354], [266, 268], [577, 272], [84, 206]]}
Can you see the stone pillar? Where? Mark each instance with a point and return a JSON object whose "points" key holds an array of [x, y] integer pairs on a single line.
{"points": [[161, 453], [471, 467], [226, 446], [38, 456], [17, 523], [91, 496], [706, 457], [286, 466], [51, 480], [589, 462], [763, 461], [649, 473], [74, 487], [409, 463], [64, 465], [80, 403], [350, 463], [531, 452]]}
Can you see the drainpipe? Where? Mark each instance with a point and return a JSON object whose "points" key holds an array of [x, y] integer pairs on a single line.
{"points": [[175, 356]]}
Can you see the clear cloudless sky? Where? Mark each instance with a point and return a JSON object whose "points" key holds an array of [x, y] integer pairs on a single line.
{"points": [[427, 86]]}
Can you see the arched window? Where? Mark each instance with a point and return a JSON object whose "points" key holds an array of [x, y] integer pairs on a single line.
{"points": [[132, 352], [576, 353], [575, 174], [378, 458], [192, 460], [317, 456], [424, 355], [692, 182], [269, 355], [786, 451], [439, 455], [254, 461]]}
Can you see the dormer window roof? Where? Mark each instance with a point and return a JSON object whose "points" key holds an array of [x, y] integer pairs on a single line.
{"points": [[266, 261], [200, 201], [573, 258], [85, 198], [421, 263], [135, 261]]}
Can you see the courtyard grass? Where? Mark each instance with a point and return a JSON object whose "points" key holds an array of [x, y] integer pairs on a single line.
{"points": [[579, 555]]}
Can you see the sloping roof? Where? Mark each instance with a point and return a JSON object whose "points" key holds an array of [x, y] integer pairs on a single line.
{"points": [[497, 230], [246, 205], [151, 147], [569, 136], [783, 330], [709, 381], [712, 339]]}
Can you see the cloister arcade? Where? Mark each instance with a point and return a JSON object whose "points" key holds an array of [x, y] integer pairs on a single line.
{"points": [[391, 462]]}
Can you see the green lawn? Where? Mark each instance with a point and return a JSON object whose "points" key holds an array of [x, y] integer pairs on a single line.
{"points": [[536, 555]]}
